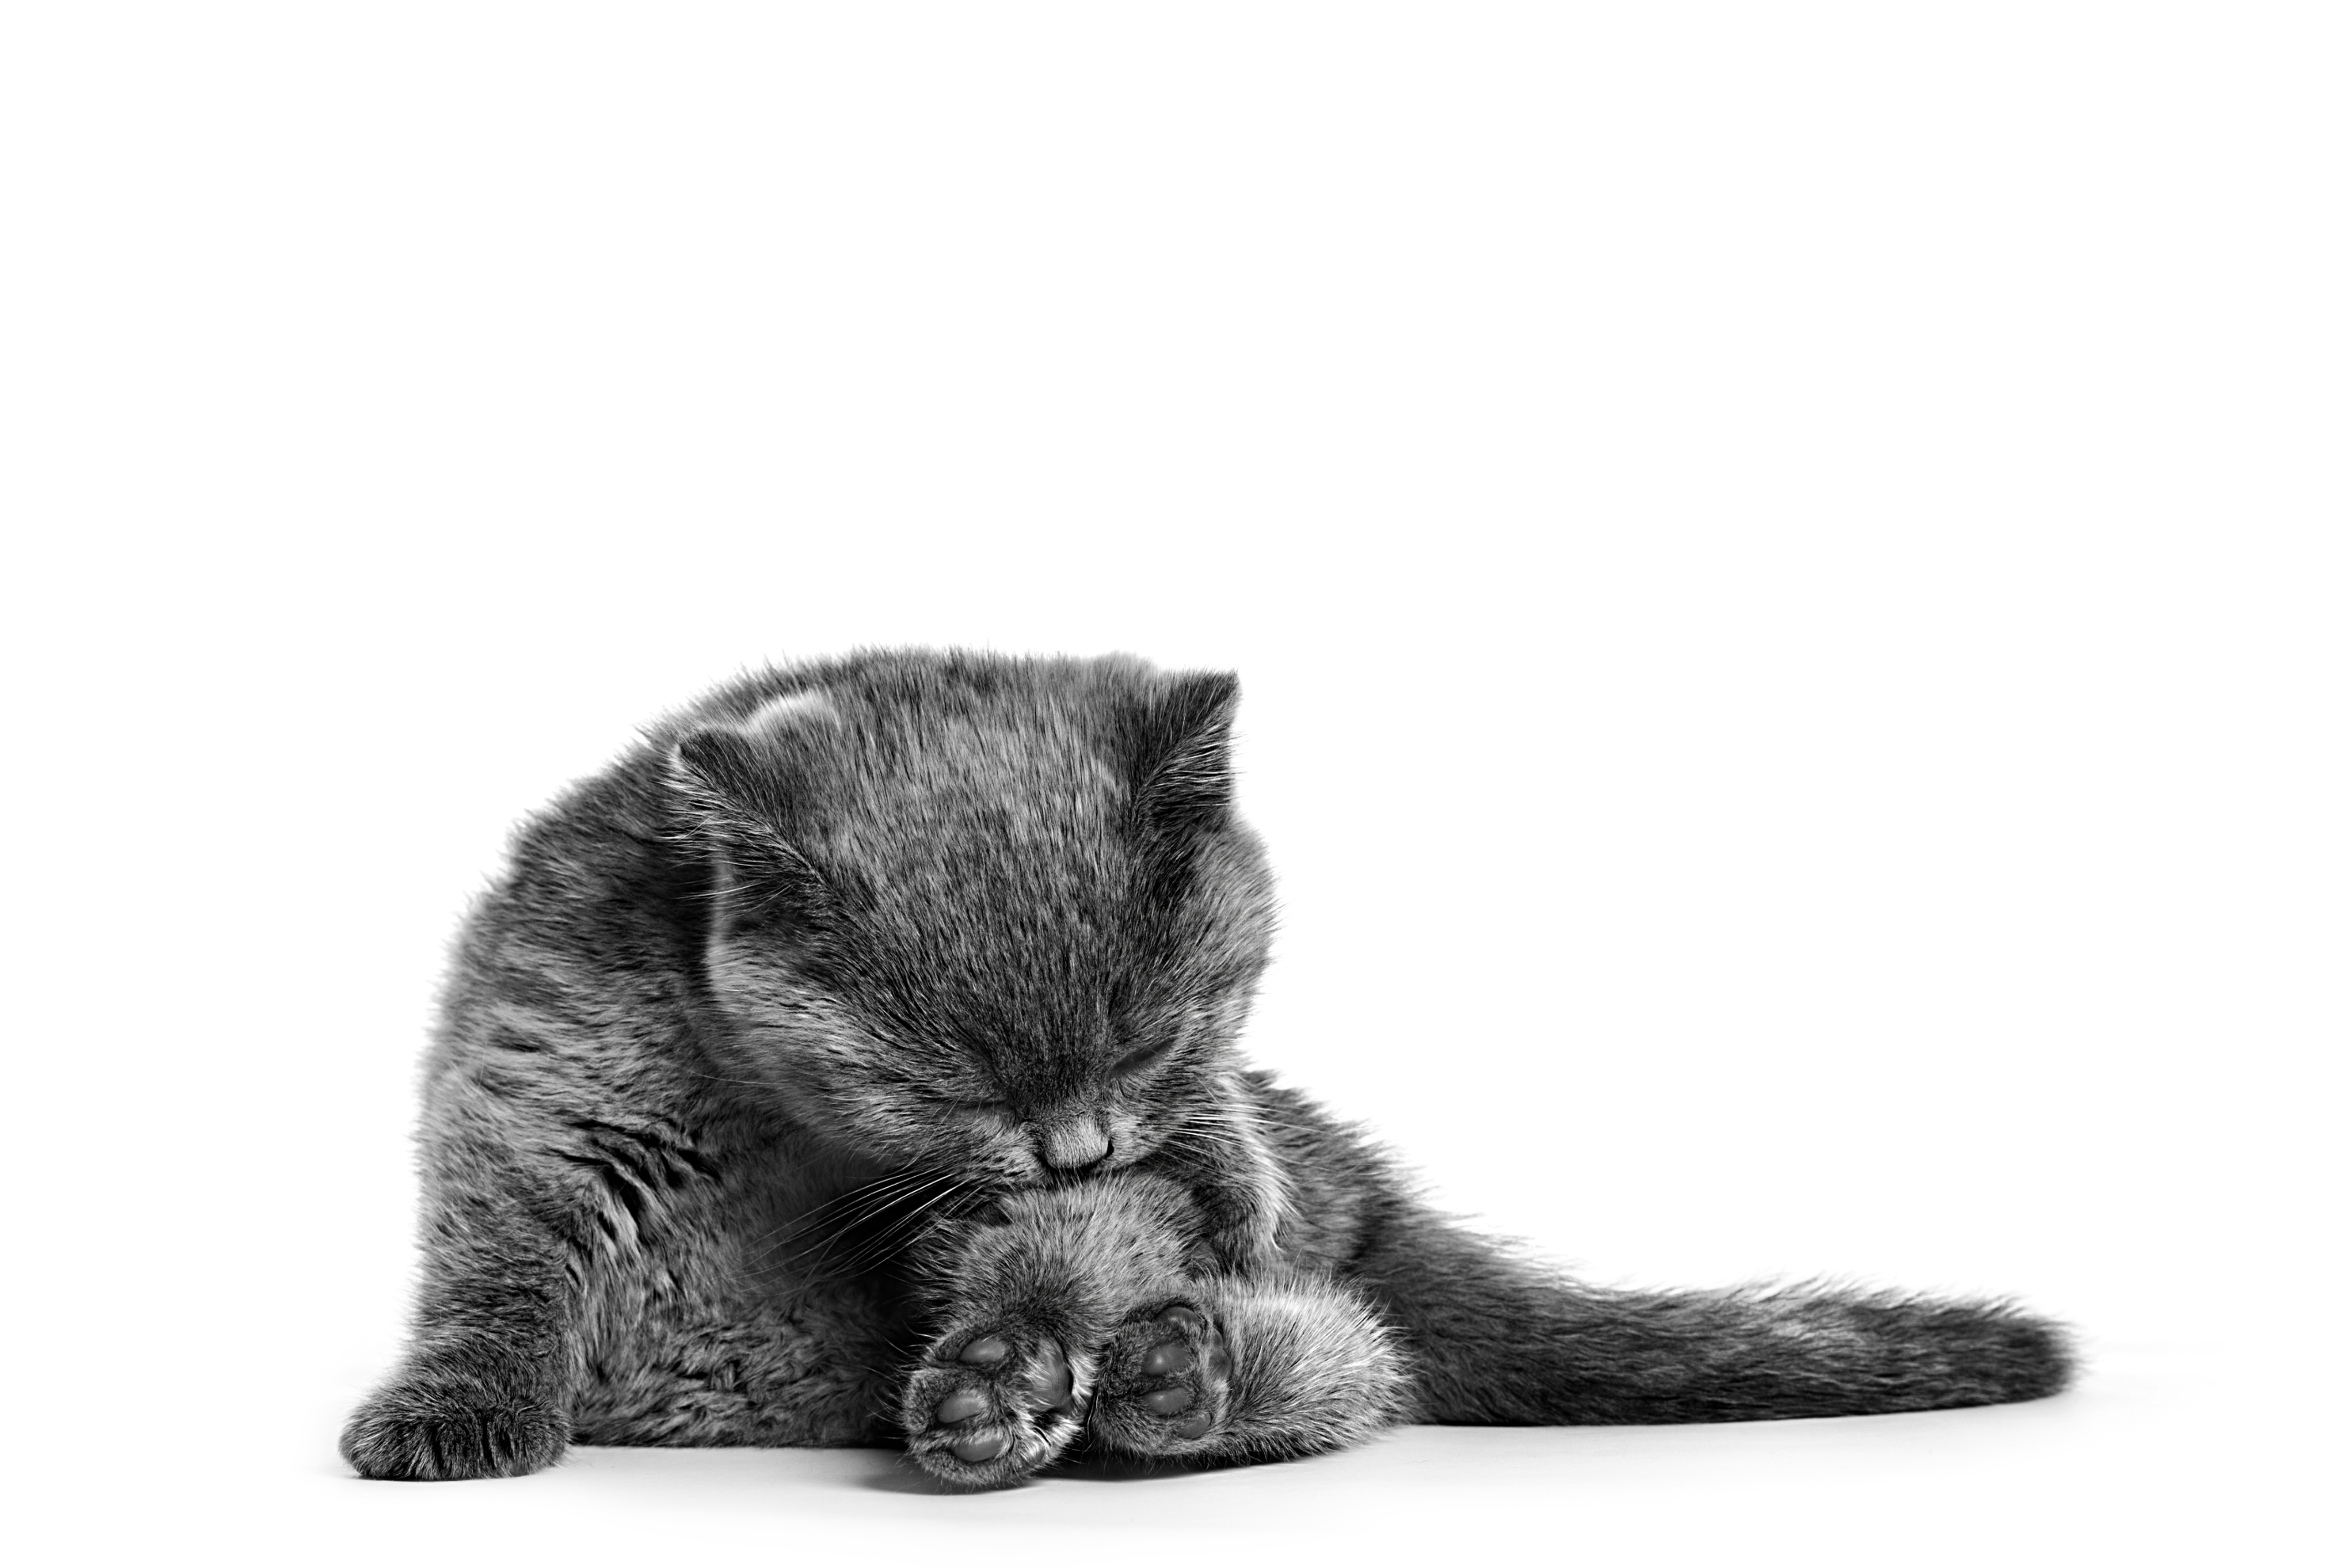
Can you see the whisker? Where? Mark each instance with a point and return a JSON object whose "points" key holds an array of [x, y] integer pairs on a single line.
{"points": [[872, 1195], [846, 1210], [880, 1247], [848, 1232]]}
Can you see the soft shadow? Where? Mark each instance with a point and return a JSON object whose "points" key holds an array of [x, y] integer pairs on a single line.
{"points": [[1124, 1467], [901, 1475], [896, 1472]]}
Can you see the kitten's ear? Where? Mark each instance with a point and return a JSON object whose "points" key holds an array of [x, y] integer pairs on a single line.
{"points": [[762, 763], [725, 776], [1183, 773], [743, 788]]}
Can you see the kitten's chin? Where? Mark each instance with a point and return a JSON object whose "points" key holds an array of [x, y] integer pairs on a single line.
{"points": [[1060, 1180]]}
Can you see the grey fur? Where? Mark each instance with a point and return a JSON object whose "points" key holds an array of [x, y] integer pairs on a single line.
{"points": [[855, 1060]]}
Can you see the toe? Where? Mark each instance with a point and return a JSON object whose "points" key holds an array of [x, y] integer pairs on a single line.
{"points": [[1194, 1426], [966, 1404], [1168, 1359], [989, 1351], [1170, 1400], [1187, 1320], [979, 1448], [1216, 1360], [1049, 1382]]}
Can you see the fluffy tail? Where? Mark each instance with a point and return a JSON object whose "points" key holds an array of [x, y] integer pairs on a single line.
{"points": [[1495, 1341]]}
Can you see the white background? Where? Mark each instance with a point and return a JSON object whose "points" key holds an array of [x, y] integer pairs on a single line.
{"points": [[1774, 552]]}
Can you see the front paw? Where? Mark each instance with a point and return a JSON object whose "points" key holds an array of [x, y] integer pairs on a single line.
{"points": [[1167, 1383], [423, 1427], [987, 1408]]}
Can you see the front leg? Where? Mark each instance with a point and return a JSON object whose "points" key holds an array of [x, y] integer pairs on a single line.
{"points": [[1240, 1369], [483, 1388], [1243, 1201], [1023, 1313]]}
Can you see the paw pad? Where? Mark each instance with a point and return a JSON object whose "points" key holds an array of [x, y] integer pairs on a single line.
{"points": [[984, 1393], [1173, 1356], [965, 1406], [981, 1447], [1172, 1382]]}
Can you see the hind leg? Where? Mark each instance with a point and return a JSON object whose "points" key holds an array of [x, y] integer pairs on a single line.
{"points": [[1238, 1369], [1022, 1313]]}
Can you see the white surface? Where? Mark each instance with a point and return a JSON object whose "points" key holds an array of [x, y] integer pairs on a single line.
{"points": [[1774, 554], [2132, 1469]]}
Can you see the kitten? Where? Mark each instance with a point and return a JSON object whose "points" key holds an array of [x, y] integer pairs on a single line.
{"points": [[855, 1060]]}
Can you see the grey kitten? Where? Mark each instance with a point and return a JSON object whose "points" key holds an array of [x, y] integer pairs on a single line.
{"points": [[855, 1061]]}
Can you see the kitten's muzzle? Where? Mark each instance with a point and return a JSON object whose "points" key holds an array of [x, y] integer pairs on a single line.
{"points": [[1073, 1145]]}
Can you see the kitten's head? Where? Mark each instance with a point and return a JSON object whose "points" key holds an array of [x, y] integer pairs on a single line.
{"points": [[992, 918]]}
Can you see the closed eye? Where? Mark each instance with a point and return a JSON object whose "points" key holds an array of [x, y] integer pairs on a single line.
{"points": [[1137, 1061], [981, 1110]]}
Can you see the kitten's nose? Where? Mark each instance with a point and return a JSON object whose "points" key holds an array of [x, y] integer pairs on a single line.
{"points": [[1071, 1145]]}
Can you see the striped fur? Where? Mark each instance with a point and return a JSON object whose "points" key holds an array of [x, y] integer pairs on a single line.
{"points": [[856, 1060]]}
